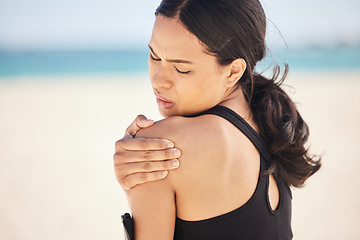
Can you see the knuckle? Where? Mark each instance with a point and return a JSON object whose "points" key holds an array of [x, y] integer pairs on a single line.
{"points": [[120, 174], [125, 183], [119, 143], [128, 129], [143, 177], [162, 144], [131, 126], [147, 166], [122, 159], [147, 155], [156, 175], [118, 157], [120, 180], [167, 164], [144, 143], [168, 153]]}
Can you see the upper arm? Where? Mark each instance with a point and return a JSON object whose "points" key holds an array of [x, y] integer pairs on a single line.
{"points": [[153, 204], [153, 208]]}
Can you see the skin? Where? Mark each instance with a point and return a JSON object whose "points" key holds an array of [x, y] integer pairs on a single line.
{"points": [[140, 160], [217, 166]]}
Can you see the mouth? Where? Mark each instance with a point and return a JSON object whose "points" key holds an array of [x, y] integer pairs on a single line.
{"points": [[164, 102]]}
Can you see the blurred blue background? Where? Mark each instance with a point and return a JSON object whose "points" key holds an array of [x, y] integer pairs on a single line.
{"points": [[40, 37], [73, 77]]}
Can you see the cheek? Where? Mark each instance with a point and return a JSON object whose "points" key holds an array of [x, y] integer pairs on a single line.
{"points": [[192, 91], [211, 88], [151, 68]]}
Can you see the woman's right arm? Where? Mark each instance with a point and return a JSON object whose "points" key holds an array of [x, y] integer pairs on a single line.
{"points": [[141, 160]]}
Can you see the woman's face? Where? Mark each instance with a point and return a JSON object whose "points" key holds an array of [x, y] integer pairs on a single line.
{"points": [[185, 79]]}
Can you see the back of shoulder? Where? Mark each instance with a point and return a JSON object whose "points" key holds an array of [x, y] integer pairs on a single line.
{"points": [[201, 141], [188, 133]]}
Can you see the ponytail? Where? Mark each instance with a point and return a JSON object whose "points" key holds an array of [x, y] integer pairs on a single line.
{"points": [[283, 129]]}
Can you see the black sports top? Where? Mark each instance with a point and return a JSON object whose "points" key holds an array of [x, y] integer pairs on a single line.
{"points": [[253, 220]]}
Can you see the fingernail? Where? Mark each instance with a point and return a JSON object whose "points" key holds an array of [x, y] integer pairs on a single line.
{"points": [[164, 173], [176, 152], [175, 163], [170, 144]]}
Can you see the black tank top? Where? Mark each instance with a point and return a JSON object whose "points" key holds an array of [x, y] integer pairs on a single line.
{"points": [[253, 220]]}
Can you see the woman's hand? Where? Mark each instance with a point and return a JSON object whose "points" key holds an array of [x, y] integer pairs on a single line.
{"points": [[140, 160]]}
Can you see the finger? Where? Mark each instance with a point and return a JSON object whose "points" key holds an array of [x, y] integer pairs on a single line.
{"points": [[143, 144], [143, 122], [140, 122], [140, 178], [141, 156], [140, 167]]}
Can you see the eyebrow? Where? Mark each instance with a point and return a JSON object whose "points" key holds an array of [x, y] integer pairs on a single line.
{"points": [[171, 60]]}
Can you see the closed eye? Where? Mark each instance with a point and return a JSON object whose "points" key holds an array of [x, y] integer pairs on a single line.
{"points": [[182, 72], [154, 58]]}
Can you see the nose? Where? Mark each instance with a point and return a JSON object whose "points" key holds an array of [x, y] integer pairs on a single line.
{"points": [[160, 77]]}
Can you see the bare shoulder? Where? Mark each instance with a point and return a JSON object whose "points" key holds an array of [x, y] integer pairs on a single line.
{"points": [[188, 132], [202, 141], [178, 124], [206, 139]]}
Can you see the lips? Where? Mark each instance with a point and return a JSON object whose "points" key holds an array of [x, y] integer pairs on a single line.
{"points": [[164, 102]]}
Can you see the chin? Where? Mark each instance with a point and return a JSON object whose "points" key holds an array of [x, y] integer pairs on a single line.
{"points": [[169, 113], [165, 113]]}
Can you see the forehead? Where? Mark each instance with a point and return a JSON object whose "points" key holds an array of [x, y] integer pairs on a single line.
{"points": [[170, 37]]}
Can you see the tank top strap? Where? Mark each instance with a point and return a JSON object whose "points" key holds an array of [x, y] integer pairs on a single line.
{"points": [[243, 126]]}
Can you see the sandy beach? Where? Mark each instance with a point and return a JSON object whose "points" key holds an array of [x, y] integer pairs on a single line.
{"points": [[57, 138]]}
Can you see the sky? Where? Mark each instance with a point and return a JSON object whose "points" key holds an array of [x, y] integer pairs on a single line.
{"points": [[109, 24]]}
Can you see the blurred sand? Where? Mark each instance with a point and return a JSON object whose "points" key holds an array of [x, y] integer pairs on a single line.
{"points": [[57, 139]]}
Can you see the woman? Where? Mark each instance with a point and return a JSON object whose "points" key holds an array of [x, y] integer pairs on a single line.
{"points": [[232, 183]]}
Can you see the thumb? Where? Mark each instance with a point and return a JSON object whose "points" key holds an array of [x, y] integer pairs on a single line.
{"points": [[144, 122], [140, 122]]}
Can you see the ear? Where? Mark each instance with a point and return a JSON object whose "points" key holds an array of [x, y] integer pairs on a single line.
{"points": [[235, 71]]}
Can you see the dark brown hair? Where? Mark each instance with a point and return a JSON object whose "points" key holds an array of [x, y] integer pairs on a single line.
{"points": [[233, 29]]}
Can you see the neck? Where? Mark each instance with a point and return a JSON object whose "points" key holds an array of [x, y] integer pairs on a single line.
{"points": [[235, 100]]}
